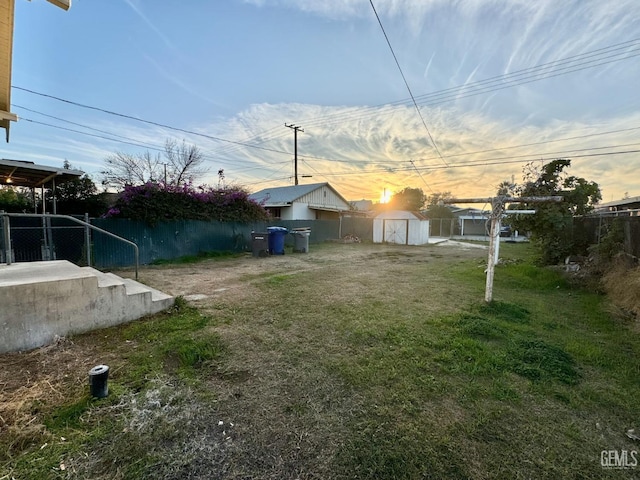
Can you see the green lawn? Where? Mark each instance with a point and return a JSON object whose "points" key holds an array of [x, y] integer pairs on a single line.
{"points": [[389, 365]]}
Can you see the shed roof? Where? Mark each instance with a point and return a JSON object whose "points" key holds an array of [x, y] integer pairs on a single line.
{"points": [[400, 215], [289, 194], [21, 173]]}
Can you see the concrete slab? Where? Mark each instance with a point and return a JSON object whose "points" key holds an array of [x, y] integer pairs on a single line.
{"points": [[25, 273], [44, 300]]}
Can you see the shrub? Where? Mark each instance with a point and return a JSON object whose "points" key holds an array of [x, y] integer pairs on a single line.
{"points": [[153, 203]]}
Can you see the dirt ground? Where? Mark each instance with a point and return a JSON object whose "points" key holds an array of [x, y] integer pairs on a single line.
{"points": [[203, 282], [46, 374]]}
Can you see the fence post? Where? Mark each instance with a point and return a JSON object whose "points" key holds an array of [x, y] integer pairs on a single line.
{"points": [[6, 230], [87, 239]]}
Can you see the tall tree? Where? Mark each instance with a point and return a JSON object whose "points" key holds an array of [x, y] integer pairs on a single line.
{"points": [[408, 198], [78, 196], [436, 207], [551, 227], [179, 164]]}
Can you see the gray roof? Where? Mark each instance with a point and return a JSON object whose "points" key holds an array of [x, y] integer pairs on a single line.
{"points": [[21, 173], [285, 195]]}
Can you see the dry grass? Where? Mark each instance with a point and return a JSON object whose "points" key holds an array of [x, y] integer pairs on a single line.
{"points": [[354, 361], [622, 284]]}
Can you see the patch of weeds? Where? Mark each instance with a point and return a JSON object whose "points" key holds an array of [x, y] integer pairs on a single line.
{"points": [[189, 354], [530, 277], [277, 279], [503, 392], [389, 450], [462, 354], [477, 326], [540, 361], [180, 318], [509, 312], [188, 259], [68, 416]]}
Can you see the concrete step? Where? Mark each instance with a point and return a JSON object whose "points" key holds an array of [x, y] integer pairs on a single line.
{"points": [[104, 279], [42, 300]]}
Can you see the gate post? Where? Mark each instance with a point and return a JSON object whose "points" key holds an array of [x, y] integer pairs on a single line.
{"points": [[6, 231]]}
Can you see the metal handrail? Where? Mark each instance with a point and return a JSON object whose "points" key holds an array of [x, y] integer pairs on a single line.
{"points": [[67, 217]]}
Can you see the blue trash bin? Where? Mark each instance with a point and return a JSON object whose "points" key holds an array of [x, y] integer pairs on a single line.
{"points": [[276, 240]]}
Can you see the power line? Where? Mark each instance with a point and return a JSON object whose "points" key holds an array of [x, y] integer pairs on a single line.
{"points": [[484, 163], [407, 83], [132, 143], [531, 74], [437, 97], [149, 122]]}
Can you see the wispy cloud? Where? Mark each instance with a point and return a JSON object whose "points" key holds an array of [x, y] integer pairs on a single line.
{"points": [[165, 39]]}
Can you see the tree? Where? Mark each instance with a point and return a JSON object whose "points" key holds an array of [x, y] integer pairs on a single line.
{"points": [[15, 200], [412, 199], [77, 196], [178, 165], [551, 227], [436, 207]]}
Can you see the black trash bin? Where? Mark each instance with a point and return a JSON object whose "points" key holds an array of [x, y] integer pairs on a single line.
{"points": [[259, 244], [301, 239]]}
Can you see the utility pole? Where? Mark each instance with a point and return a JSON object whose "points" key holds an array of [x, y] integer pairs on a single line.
{"points": [[497, 210], [295, 149]]}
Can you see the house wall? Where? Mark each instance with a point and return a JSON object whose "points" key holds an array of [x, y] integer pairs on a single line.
{"points": [[325, 197], [301, 211]]}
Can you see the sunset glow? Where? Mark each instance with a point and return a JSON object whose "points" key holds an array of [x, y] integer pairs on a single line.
{"points": [[386, 195]]}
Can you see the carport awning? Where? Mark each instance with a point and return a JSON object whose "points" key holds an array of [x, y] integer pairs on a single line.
{"points": [[20, 173], [327, 208]]}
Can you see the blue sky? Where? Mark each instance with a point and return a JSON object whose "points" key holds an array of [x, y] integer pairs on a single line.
{"points": [[238, 70]]}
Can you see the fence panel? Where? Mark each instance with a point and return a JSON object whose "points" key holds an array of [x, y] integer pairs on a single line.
{"points": [[596, 227], [170, 240], [359, 226], [36, 239]]}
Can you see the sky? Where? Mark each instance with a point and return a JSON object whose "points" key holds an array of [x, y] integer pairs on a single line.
{"points": [[469, 92]]}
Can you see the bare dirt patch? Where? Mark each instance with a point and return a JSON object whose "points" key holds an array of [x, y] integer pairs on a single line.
{"points": [[205, 282], [287, 420]]}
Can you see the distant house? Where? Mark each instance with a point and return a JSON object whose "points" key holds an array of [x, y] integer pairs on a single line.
{"points": [[472, 221], [316, 201], [362, 205], [627, 206], [401, 227]]}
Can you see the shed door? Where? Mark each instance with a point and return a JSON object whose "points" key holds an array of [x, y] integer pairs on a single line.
{"points": [[395, 231]]}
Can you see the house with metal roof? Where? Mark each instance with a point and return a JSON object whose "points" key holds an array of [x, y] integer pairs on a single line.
{"points": [[627, 206], [315, 201]]}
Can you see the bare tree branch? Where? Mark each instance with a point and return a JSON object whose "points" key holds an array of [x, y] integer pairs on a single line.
{"points": [[181, 163]]}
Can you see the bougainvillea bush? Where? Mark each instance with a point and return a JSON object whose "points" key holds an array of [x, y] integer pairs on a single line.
{"points": [[155, 202]]}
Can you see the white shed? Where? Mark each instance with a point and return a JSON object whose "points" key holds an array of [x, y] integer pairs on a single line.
{"points": [[401, 227]]}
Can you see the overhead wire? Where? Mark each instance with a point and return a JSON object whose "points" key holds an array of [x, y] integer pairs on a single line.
{"points": [[149, 122], [530, 74], [406, 83], [370, 111]]}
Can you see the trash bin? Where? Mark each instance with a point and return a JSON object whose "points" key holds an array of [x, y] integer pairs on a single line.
{"points": [[276, 240], [301, 239], [259, 244]]}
